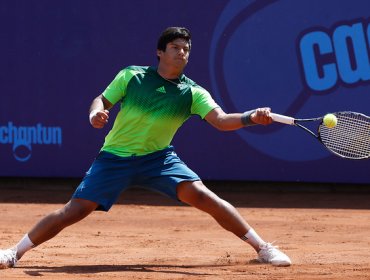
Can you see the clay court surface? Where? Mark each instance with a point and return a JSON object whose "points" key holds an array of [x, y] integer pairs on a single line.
{"points": [[147, 236]]}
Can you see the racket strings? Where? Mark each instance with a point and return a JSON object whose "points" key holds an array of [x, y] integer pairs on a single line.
{"points": [[350, 137]]}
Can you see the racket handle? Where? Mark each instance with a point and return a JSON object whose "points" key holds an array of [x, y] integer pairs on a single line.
{"points": [[282, 119]]}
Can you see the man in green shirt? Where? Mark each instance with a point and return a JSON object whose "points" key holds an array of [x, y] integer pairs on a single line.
{"points": [[155, 102], [152, 109]]}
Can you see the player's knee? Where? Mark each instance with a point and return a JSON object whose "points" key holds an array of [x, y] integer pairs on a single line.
{"points": [[198, 195], [73, 212], [207, 200]]}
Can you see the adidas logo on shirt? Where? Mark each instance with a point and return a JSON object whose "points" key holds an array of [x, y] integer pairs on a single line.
{"points": [[161, 89]]}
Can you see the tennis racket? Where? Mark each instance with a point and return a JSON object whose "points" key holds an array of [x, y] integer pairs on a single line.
{"points": [[349, 139]]}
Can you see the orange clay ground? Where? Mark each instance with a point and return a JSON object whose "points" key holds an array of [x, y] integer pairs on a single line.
{"points": [[147, 236]]}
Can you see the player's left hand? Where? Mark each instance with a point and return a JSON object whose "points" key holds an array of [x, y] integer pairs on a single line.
{"points": [[262, 116]]}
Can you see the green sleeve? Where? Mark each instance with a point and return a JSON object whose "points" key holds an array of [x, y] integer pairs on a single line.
{"points": [[117, 88], [203, 103]]}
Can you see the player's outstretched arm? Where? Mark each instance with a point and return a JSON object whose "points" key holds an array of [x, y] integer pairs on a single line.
{"points": [[226, 122], [99, 113]]}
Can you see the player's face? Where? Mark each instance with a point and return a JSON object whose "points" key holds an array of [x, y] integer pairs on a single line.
{"points": [[176, 53]]}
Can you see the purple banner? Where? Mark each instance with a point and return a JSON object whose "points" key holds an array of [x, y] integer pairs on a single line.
{"points": [[301, 58]]}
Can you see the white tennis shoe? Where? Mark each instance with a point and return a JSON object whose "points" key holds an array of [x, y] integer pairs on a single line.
{"points": [[8, 258], [271, 254]]}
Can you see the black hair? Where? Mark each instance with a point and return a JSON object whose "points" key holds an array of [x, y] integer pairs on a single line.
{"points": [[172, 33]]}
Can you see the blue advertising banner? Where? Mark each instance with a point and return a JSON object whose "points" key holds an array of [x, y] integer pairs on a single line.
{"points": [[301, 58]]}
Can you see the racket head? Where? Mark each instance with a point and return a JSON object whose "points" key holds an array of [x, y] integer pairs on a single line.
{"points": [[350, 138]]}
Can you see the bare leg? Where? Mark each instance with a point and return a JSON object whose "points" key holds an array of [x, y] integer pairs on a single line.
{"points": [[48, 227], [198, 195]]}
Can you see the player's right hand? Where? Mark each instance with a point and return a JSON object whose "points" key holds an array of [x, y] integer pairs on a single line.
{"points": [[99, 119]]}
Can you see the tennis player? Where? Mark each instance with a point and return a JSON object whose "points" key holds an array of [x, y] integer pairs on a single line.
{"points": [[154, 103]]}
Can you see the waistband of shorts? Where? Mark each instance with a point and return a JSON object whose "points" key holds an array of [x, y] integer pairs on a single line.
{"points": [[105, 154]]}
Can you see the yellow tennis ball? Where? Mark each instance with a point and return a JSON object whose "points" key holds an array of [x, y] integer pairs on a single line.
{"points": [[330, 120]]}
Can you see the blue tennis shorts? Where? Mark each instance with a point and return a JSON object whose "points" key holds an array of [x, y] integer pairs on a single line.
{"points": [[110, 175]]}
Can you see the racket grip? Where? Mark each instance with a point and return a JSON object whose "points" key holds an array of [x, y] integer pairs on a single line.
{"points": [[282, 119]]}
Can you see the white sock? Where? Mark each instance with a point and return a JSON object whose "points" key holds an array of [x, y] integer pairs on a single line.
{"points": [[253, 239], [24, 245]]}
